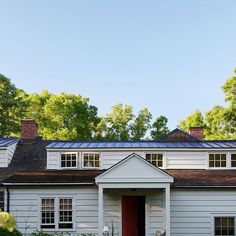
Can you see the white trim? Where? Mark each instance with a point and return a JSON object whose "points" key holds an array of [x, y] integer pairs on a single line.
{"points": [[68, 168], [56, 212], [219, 214], [86, 167], [163, 158], [230, 162], [99, 179], [192, 149], [218, 168]]}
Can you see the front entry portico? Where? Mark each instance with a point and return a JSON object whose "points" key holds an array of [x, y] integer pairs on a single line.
{"points": [[134, 178]]}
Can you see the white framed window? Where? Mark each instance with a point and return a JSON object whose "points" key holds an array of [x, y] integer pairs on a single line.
{"points": [[47, 213], [155, 158], [224, 225], [90, 160], [1, 200], [233, 160], [217, 160], [57, 213], [69, 160], [65, 213]]}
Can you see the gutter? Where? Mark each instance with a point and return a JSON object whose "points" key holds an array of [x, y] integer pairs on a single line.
{"points": [[8, 200], [46, 184]]}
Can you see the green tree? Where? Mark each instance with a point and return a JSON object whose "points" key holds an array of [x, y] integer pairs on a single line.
{"points": [[141, 124], [159, 128], [195, 119], [64, 116], [13, 105], [116, 125]]}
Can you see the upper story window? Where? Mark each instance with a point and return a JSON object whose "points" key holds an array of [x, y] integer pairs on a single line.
{"points": [[91, 160], [69, 160], [233, 160], [224, 226], [1, 200], [217, 160], [155, 158]]}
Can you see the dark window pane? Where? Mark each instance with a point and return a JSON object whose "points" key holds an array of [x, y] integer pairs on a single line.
{"points": [[211, 157], [223, 163], [211, 163], [65, 225]]}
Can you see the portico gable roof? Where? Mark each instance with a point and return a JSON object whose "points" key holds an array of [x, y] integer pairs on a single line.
{"points": [[134, 169]]}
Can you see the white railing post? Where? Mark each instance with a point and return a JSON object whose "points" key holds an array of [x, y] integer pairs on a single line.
{"points": [[167, 210], [100, 209]]}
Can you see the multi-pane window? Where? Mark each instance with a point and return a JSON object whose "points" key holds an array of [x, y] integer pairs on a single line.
{"points": [[65, 213], [57, 213], [155, 158], [224, 226], [233, 160], [1, 200], [217, 160], [48, 213], [68, 160], [91, 160]]}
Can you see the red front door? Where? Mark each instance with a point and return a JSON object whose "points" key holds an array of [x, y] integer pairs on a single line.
{"points": [[133, 216]]}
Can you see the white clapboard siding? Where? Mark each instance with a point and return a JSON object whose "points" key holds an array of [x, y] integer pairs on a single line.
{"points": [[111, 158], [154, 209], [7, 154], [53, 160], [185, 160], [192, 211], [25, 206]]}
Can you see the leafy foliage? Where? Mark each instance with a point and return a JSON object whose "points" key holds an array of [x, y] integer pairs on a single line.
{"points": [[13, 106], [7, 221], [63, 116], [219, 122], [6, 232], [122, 124], [159, 128]]}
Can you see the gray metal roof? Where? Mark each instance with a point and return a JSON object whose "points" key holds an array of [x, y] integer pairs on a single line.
{"points": [[228, 144], [5, 142]]}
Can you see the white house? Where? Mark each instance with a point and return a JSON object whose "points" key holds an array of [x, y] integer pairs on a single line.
{"points": [[180, 185]]}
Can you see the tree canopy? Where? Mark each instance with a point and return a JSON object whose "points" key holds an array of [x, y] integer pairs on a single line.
{"points": [[220, 121], [13, 105]]}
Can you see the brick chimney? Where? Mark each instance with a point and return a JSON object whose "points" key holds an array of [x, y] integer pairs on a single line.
{"points": [[197, 132], [29, 129]]}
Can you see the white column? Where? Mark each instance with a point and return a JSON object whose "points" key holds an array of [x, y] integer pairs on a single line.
{"points": [[100, 209], [167, 211]]}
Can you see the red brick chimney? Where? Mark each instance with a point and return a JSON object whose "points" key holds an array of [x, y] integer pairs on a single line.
{"points": [[29, 129], [197, 132]]}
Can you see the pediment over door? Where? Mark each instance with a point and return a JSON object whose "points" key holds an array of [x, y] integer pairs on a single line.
{"points": [[134, 169]]}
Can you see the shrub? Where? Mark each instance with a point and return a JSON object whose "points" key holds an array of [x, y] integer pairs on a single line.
{"points": [[7, 221], [6, 232]]}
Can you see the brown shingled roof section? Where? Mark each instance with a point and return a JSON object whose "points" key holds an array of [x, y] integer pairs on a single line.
{"points": [[198, 178]]}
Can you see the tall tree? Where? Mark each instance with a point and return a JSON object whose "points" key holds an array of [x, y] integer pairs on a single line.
{"points": [[116, 125], [13, 107], [64, 116], [141, 124], [195, 119], [159, 128]]}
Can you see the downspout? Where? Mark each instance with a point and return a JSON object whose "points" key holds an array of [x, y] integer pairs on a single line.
{"points": [[8, 200]]}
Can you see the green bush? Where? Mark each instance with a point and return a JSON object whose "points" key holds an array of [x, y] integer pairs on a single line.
{"points": [[6, 232], [41, 233]]}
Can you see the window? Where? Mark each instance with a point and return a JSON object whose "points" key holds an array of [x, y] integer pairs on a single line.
{"points": [[155, 158], [91, 160], [56, 213], [1, 200], [68, 160], [65, 213], [48, 214], [217, 160], [233, 160], [224, 226]]}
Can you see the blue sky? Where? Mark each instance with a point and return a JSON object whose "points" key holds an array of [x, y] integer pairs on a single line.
{"points": [[169, 56]]}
